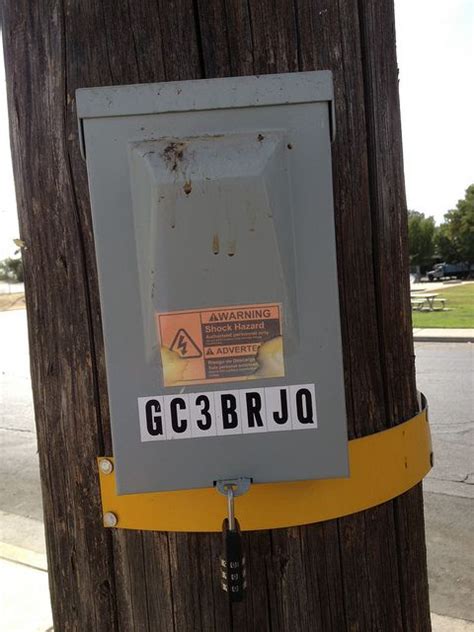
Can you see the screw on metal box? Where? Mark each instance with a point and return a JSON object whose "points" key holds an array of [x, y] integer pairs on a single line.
{"points": [[106, 466], [110, 519]]}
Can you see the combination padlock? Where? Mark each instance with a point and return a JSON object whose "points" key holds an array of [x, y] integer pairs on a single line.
{"points": [[232, 562]]}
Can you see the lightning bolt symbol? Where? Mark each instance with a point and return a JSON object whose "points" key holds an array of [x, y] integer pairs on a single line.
{"points": [[182, 344]]}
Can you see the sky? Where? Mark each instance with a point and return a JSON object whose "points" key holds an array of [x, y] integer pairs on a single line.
{"points": [[8, 217], [435, 48]]}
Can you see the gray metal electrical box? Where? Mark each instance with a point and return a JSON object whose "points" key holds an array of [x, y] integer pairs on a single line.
{"points": [[214, 230]]}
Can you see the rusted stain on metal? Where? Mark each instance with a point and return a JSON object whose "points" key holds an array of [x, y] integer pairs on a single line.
{"points": [[215, 244]]}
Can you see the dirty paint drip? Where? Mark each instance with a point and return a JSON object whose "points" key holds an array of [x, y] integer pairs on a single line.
{"points": [[173, 155], [231, 247]]}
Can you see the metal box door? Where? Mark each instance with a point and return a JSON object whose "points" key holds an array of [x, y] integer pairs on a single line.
{"points": [[214, 229]]}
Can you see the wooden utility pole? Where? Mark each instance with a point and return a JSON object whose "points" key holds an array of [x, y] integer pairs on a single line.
{"points": [[365, 572]]}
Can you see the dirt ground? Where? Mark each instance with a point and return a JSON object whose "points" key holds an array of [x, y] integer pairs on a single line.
{"points": [[12, 301]]}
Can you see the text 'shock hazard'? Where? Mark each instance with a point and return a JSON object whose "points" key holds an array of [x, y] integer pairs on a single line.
{"points": [[221, 413], [222, 344]]}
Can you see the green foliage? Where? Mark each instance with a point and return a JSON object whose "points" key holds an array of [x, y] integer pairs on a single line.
{"points": [[11, 270], [421, 232], [455, 237]]}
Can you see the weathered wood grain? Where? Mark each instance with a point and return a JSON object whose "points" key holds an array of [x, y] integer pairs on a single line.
{"points": [[364, 572], [388, 205]]}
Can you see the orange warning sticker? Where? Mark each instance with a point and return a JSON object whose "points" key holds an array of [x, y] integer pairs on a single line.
{"points": [[222, 344]]}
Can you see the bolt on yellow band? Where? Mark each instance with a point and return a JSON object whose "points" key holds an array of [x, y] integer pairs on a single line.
{"points": [[382, 465]]}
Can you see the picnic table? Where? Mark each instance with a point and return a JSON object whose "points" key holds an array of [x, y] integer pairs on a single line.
{"points": [[426, 301]]}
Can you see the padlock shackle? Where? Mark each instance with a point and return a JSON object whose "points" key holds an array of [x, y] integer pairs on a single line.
{"points": [[230, 507]]}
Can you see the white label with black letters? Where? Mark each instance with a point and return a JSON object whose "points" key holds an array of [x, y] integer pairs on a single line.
{"points": [[222, 413]]}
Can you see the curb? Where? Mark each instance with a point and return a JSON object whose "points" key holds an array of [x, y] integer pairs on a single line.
{"points": [[19, 555], [432, 334], [442, 623], [429, 338]]}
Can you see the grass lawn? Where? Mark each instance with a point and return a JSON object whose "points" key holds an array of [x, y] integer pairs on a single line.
{"points": [[12, 301], [459, 312]]}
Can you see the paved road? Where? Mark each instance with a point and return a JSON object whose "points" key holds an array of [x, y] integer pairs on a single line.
{"points": [[20, 493], [445, 374]]}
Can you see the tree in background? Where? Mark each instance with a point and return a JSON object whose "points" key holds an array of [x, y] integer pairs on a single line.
{"points": [[455, 237], [11, 270], [421, 239]]}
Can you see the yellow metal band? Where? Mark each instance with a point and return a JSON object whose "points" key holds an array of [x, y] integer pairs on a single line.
{"points": [[382, 465]]}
